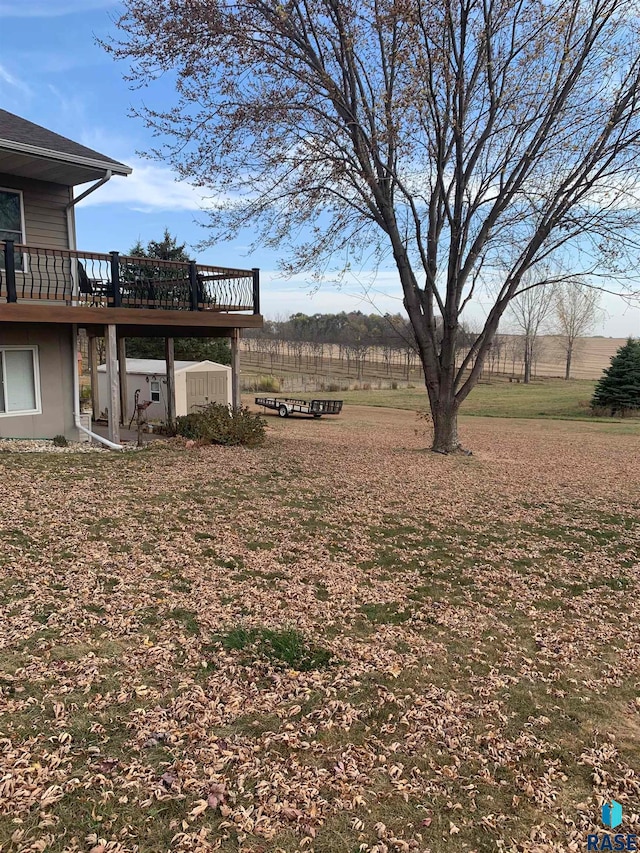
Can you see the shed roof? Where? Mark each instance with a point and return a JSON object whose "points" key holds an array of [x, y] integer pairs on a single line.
{"points": [[32, 151], [158, 367]]}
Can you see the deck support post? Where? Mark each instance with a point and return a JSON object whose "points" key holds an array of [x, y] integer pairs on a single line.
{"points": [[171, 383], [256, 290], [235, 369], [93, 370], [122, 374], [113, 385]]}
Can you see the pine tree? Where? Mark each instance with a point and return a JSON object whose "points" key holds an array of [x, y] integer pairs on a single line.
{"points": [[166, 249], [619, 388], [190, 349]]}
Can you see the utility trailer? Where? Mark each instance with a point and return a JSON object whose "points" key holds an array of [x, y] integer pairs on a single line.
{"points": [[286, 406]]}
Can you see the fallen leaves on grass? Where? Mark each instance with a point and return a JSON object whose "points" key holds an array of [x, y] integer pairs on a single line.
{"points": [[336, 642]]}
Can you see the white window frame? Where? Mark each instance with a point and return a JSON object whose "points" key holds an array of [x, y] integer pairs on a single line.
{"points": [[23, 226], [36, 380], [158, 392]]}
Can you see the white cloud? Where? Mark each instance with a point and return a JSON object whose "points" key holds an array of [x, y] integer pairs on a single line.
{"points": [[149, 189], [49, 8], [11, 80]]}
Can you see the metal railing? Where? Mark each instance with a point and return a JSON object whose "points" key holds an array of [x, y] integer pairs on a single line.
{"points": [[123, 281]]}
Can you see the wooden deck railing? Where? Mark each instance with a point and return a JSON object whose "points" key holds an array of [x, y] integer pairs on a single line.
{"points": [[123, 281]]}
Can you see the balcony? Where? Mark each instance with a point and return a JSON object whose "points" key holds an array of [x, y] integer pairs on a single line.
{"points": [[87, 287]]}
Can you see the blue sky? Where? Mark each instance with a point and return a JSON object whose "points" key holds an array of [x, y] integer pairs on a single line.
{"points": [[60, 78]]}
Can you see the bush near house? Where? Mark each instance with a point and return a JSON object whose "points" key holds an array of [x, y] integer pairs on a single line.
{"points": [[217, 424]]}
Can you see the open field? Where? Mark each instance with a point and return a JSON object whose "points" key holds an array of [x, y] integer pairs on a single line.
{"points": [[545, 398], [335, 643], [549, 398], [308, 371], [591, 356]]}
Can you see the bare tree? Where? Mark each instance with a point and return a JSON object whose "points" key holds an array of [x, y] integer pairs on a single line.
{"points": [[576, 314], [497, 353], [466, 141], [529, 311]]}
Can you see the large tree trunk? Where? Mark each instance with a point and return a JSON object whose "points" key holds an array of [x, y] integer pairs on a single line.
{"points": [[527, 359], [445, 427], [567, 371]]}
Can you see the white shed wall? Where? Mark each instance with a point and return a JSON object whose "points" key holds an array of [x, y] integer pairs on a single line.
{"points": [[156, 411], [184, 404]]}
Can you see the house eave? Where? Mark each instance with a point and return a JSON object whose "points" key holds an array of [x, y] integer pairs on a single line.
{"points": [[35, 163], [72, 159]]}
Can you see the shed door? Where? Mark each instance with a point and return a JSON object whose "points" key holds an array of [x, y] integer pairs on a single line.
{"points": [[197, 391], [218, 387], [205, 388]]}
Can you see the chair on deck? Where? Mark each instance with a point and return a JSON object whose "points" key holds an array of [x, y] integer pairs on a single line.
{"points": [[206, 300], [93, 290]]}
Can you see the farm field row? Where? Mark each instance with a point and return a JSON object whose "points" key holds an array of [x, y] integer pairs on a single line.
{"points": [[591, 357]]}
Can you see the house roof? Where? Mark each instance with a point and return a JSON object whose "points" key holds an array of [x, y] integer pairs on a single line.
{"points": [[32, 151], [158, 367]]}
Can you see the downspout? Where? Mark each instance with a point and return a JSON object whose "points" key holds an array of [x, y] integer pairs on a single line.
{"points": [[71, 231], [92, 188], [76, 399], [71, 236]]}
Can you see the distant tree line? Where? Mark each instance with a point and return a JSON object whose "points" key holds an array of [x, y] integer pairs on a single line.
{"points": [[353, 337]]}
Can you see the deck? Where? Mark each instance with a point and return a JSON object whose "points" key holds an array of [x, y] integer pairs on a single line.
{"points": [[39, 284]]}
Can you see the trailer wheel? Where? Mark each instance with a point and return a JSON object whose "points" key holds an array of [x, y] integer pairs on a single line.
{"points": [[283, 411]]}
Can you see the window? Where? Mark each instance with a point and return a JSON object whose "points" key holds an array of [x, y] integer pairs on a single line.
{"points": [[11, 222], [155, 391], [19, 381]]}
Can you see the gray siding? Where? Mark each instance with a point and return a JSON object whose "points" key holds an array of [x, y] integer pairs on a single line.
{"points": [[44, 210], [46, 226], [56, 364]]}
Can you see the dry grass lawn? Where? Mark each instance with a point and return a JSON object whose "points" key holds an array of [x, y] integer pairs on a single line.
{"points": [[337, 642]]}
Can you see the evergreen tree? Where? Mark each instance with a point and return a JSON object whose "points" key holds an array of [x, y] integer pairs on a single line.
{"points": [[187, 349], [619, 388], [166, 249]]}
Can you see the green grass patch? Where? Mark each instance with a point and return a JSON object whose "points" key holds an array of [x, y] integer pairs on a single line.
{"points": [[187, 618], [499, 398], [390, 613], [284, 648]]}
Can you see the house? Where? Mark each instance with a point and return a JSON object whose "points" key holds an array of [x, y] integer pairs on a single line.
{"points": [[49, 289], [197, 383]]}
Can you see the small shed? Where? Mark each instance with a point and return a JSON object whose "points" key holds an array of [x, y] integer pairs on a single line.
{"points": [[197, 384]]}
